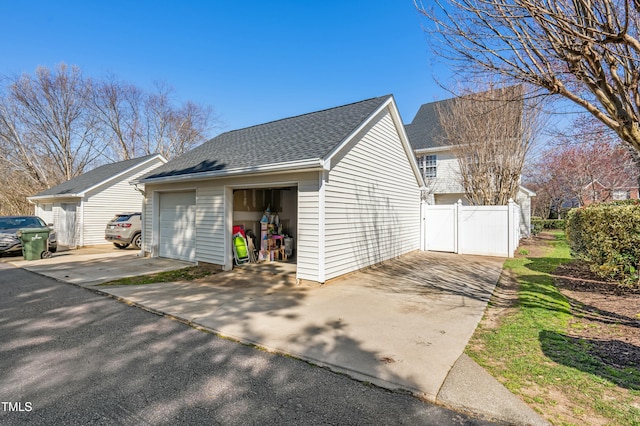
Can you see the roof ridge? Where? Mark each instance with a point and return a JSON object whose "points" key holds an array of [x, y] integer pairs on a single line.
{"points": [[307, 113]]}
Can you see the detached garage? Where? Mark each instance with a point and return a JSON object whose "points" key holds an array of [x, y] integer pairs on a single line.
{"points": [[341, 185], [81, 207]]}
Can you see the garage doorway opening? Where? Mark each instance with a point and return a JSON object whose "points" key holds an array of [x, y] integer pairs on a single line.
{"points": [[269, 217]]}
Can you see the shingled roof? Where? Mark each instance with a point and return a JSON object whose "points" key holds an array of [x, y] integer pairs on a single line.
{"points": [[425, 131], [290, 140], [78, 185]]}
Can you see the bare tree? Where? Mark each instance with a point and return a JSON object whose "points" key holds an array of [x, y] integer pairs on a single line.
{"points": [[52, 109], [117, 106], [490, 133], [170, 130], [56, 124], [586, 51]]}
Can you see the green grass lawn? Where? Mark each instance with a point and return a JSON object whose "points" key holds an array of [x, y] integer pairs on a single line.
{"points": [[531, 353], [185, 274]]}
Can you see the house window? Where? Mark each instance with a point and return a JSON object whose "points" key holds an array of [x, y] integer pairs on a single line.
{"points": [[428, 165], [620, 194]]}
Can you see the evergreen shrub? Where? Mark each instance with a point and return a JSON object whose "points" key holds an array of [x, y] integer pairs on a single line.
{"points": [[608, 237]]}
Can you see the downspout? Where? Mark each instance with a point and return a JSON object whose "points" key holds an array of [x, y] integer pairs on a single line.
{"points": [[144, 218]]}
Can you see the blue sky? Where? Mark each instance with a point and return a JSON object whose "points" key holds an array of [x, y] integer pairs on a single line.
{"points": [[251, 61]]}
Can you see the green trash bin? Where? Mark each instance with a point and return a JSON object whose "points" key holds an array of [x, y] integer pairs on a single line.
{"points": [[35, 243]]}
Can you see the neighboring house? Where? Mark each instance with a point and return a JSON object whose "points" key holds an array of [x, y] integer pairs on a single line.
{"points": [[440, 167], [81, 207], [598, 192], [344, 183]]}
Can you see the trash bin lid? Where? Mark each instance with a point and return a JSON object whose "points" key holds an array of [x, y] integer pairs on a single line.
{"points": [[28, 231]]}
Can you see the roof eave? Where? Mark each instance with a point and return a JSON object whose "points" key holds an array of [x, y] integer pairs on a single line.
{"points": [[291, 166], [45, 197], [124, 172], [432, 149], [529, 192]]}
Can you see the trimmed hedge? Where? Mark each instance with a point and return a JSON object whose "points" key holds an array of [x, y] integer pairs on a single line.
{"points": [[607, 236]]}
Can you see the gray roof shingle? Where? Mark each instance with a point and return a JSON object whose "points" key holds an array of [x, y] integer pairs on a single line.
{"points": [[93, 177], [425, 131], [304, 137]]}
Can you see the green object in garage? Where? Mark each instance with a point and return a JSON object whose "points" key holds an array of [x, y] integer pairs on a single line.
{"points": [[35, 243]]}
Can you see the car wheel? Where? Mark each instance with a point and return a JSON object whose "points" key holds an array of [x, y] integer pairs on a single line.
{"points": [[121, 246], [137, 241]]}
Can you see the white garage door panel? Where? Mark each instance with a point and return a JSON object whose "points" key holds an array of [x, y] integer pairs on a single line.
{"points": [[178, 225]]}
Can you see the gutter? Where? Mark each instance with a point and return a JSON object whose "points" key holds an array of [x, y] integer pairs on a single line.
{"points": [[291, 166], [45, 197]]}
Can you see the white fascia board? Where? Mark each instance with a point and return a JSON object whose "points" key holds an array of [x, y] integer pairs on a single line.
{"points": [[148, 160], [397, 120], [53, 196], [432, 150], [527, 191], [286, 167]]}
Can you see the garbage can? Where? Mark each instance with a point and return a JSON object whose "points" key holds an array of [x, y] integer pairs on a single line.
{"points": [[35, 243]]}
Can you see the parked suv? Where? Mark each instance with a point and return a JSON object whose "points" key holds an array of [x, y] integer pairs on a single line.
{"points": [[9, 226], [125, 229]]}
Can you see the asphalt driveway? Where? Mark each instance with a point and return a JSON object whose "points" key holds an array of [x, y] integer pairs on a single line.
{"points": [[400, 325]]}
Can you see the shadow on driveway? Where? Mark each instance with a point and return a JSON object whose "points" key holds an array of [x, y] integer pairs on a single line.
{"points": [[402, 324]]}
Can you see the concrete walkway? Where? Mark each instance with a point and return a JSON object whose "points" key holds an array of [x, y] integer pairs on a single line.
{"points": [[401, 325]]}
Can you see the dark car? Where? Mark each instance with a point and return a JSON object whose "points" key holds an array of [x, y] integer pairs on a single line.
{"points": [[9, 226]]}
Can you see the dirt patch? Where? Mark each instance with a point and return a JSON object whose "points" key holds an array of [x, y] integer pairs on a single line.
{"points": [[503, 301], [534, 246], [605, 314]]}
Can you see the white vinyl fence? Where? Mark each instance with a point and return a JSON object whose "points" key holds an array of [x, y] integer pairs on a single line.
{"points": [[479, 230]]}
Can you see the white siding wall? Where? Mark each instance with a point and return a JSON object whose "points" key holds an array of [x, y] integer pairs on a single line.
{"points": [[45, 212], [453, 198], [211, 225], [104, 202], [56, 215], [210, 222], [447, 180], [372, 202], [308, 227], [524, 201]]}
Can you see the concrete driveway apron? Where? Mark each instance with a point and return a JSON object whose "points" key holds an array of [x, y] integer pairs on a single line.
{"points": [[400, 325], [97, 264]]}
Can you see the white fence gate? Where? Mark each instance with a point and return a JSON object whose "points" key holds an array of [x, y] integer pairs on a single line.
{"points": [[479, 230]]}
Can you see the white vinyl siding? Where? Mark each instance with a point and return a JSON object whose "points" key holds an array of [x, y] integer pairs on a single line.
{"points": [[210, 220], [96, 208], [372, 201], [441, 199], [45, 212], [105, 201], [308, 228], [448, 179], [524, 201]]}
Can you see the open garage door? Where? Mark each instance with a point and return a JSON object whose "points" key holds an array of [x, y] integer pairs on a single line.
{"points": [[178, 225]]}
